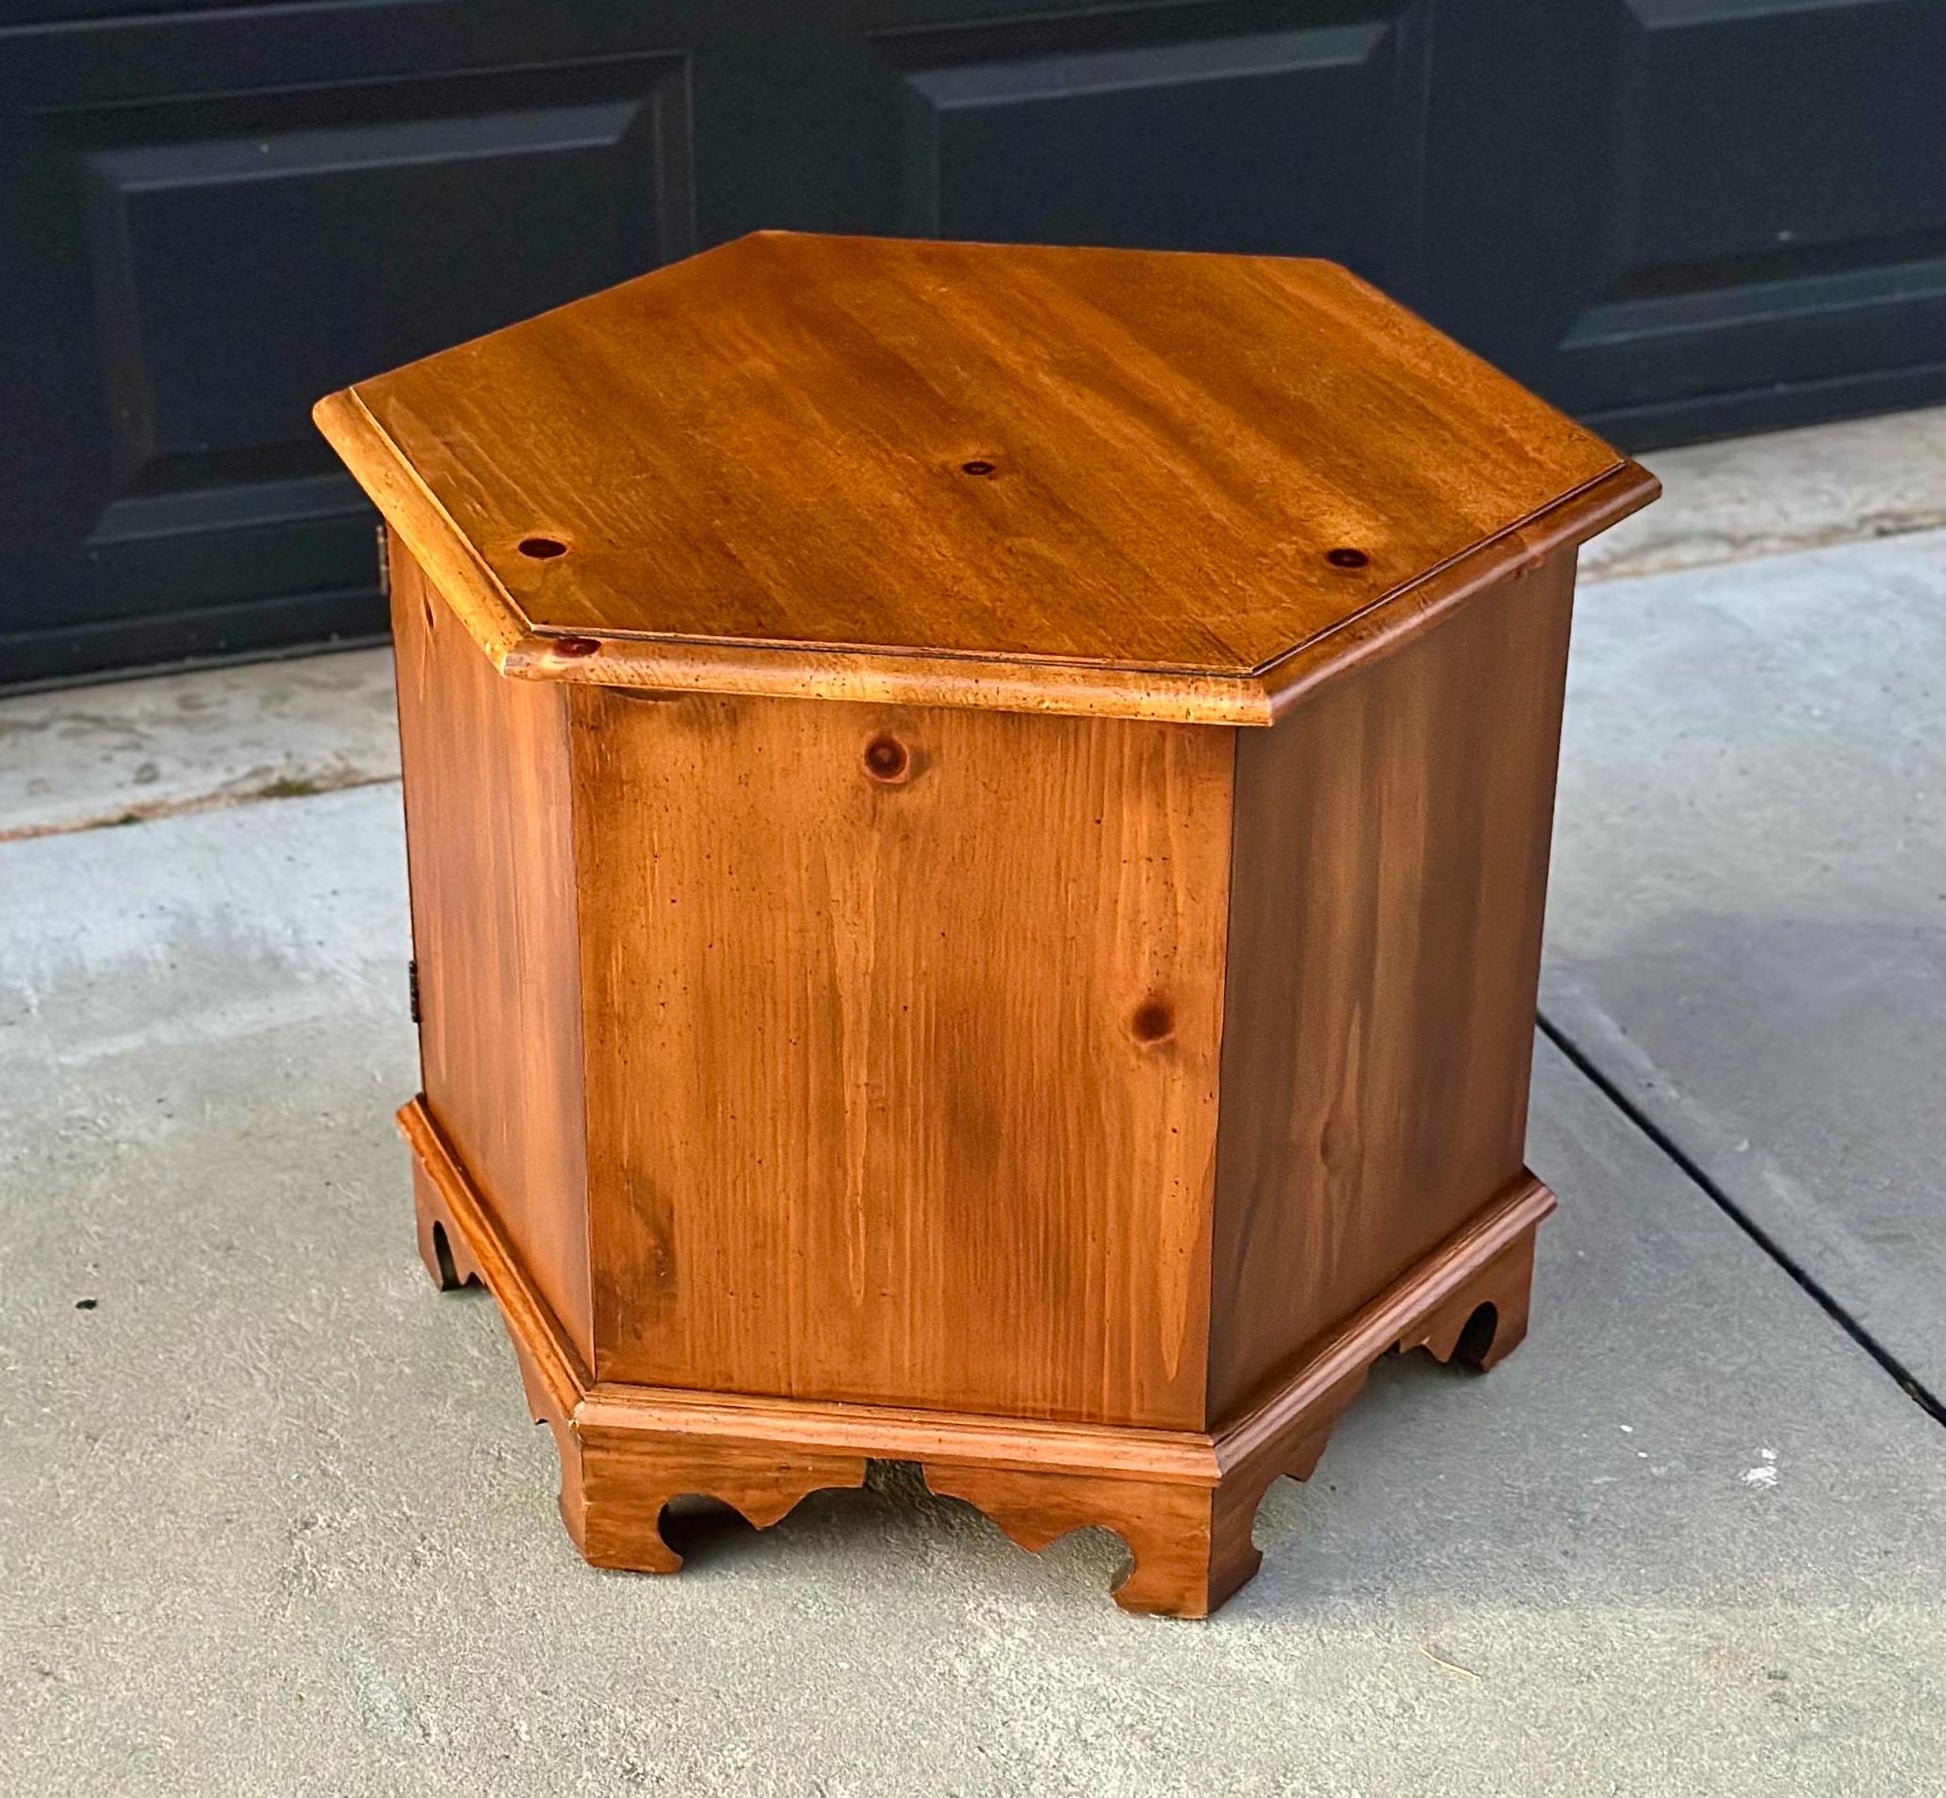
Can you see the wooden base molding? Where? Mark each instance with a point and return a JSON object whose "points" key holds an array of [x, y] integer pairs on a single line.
{"points": [[1182, 1501]]}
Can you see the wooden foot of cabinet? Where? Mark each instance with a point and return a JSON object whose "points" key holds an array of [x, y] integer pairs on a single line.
{"points": [[1183, 1501], [1486, 1320], [617, 1484], [443, 1246], [1189, 1545]]}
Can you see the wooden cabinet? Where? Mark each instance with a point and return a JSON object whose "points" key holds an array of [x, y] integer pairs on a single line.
{"points": [[978, 823]]}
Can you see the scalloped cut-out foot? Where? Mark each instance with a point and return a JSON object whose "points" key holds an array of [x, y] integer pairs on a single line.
{"points": [[617, 1483], [443, 1247], [1486, 1320], [613, 1502], [1188, 1536], [1189, 1545]]}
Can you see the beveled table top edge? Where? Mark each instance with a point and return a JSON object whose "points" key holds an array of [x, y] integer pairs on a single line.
{"points": [[930, 677]]}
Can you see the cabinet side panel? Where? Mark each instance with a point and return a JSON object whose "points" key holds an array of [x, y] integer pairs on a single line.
{"points": [[1390, 873], [490, 847], [903, 1031]]}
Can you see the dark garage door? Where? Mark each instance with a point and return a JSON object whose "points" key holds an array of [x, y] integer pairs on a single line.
{"points": [[1673, 217]]}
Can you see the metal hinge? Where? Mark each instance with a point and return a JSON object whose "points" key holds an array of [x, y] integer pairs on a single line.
{"points": [[384, 564], [412, 983]]}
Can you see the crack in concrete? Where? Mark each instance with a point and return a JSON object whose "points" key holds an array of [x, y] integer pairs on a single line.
{"points": [[283, 786], [1933, 1404]]}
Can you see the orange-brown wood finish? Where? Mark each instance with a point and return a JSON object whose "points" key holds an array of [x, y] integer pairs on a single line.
{"points": [[902, 1051], [978, 825]]}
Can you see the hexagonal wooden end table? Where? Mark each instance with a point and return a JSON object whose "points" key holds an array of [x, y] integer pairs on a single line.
{"points": [[978, 820]]}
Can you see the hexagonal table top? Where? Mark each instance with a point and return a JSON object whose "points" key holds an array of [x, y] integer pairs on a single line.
{"points": [[1068, 479]]}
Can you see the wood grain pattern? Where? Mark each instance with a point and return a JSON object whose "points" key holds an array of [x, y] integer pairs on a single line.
{"points": [[1391, 842], [490, 852], [902, 1080], [966, 474], [1183, 1501]]}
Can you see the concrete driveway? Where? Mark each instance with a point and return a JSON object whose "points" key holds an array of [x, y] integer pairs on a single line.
{"points": [[273, 1519]]}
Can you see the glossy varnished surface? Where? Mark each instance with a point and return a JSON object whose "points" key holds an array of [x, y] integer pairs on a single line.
{"points": [[1114, 459], [902, 1051], [1391, 846], [491, 856]]}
